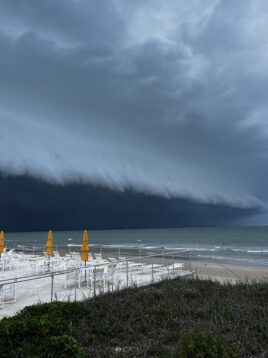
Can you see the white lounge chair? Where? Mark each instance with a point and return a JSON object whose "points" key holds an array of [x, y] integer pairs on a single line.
{"points": [[129, 265], [72, 279], [98, 277], [151, 267], [176, 266], [7, 293], [56, 256], [171, 270], [100, 260], [109, 273], [37, 265]]}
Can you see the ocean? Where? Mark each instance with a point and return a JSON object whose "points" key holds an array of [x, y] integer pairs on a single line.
{"points": [[241, 245]]}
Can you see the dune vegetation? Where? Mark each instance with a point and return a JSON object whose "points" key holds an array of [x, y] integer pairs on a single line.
{"points": [[168, 319]]}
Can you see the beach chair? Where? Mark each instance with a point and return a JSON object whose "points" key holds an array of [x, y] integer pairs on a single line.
{"points": [[75, 255], [129, 265], [6, 263], [100, 260], [98, 277], [14, 257], [57, 262], [122, 258], [72, 279], [149, 267], [175, 269], [74, 263], [37, 265], [98, 257], [60, 266], [57, 256], [7, 293], [113, 261], [172, 270], [19, 257], [109, 271], [51, 265], [85, 275]]}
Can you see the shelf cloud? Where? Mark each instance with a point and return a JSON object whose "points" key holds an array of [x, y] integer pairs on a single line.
{"points": [[166, 99]]}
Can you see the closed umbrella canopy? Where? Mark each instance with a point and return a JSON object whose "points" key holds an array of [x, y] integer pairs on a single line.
{"points": [[85, 236], [2, 242], [84, 247], [49, 245]]}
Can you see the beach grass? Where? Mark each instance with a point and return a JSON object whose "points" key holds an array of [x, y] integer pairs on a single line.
{"points": [[172, 318]]}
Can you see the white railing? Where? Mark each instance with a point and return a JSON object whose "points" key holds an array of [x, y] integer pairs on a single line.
{"points": [[84, 282]]}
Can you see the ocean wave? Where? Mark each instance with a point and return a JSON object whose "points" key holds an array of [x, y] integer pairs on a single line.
{"points": [[243, 250], [257, 251], [234, 259], [211, 257]]}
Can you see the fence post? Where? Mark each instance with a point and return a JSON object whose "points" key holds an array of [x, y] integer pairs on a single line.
{"points": [[52, 286], [94, 289], [152, 272], [127, 272], [190, 261], [75, 284], [15, 288]]}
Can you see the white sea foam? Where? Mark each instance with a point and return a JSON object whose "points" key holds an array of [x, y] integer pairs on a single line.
{"points": [[258, 251]]}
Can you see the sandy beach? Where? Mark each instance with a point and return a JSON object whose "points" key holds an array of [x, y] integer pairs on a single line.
{"points": [[205, 269], [224, 272]]}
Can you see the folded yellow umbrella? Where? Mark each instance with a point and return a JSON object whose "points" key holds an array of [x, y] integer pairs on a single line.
{"points": [[49, 245], [84, 247], [2, 242]]}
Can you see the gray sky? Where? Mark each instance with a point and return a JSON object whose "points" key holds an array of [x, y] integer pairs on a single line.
{"points": [[165, 98]]}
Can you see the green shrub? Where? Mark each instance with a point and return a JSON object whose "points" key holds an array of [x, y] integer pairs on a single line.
{"points": [[159, 351], [62, 347], [205, 344], [146, 321]]}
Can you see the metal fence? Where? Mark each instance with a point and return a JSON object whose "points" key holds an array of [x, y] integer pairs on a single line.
{"points": [[109, 272]]}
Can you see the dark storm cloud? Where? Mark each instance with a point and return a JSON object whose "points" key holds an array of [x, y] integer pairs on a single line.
{"points": [[29, 204], [161, 98]]}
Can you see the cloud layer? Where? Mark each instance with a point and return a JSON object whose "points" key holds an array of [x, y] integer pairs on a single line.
{"points": [[166, 98]]}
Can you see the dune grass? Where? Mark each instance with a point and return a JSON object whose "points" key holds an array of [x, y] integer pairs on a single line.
{"points": [[168, 319]]}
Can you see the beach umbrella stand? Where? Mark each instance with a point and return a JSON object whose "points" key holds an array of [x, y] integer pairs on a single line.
{"points": [[85, 251], [2, 243], [49, 247]]}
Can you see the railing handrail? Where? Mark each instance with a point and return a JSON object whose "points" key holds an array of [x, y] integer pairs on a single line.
{"points": [[61, 272]]}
